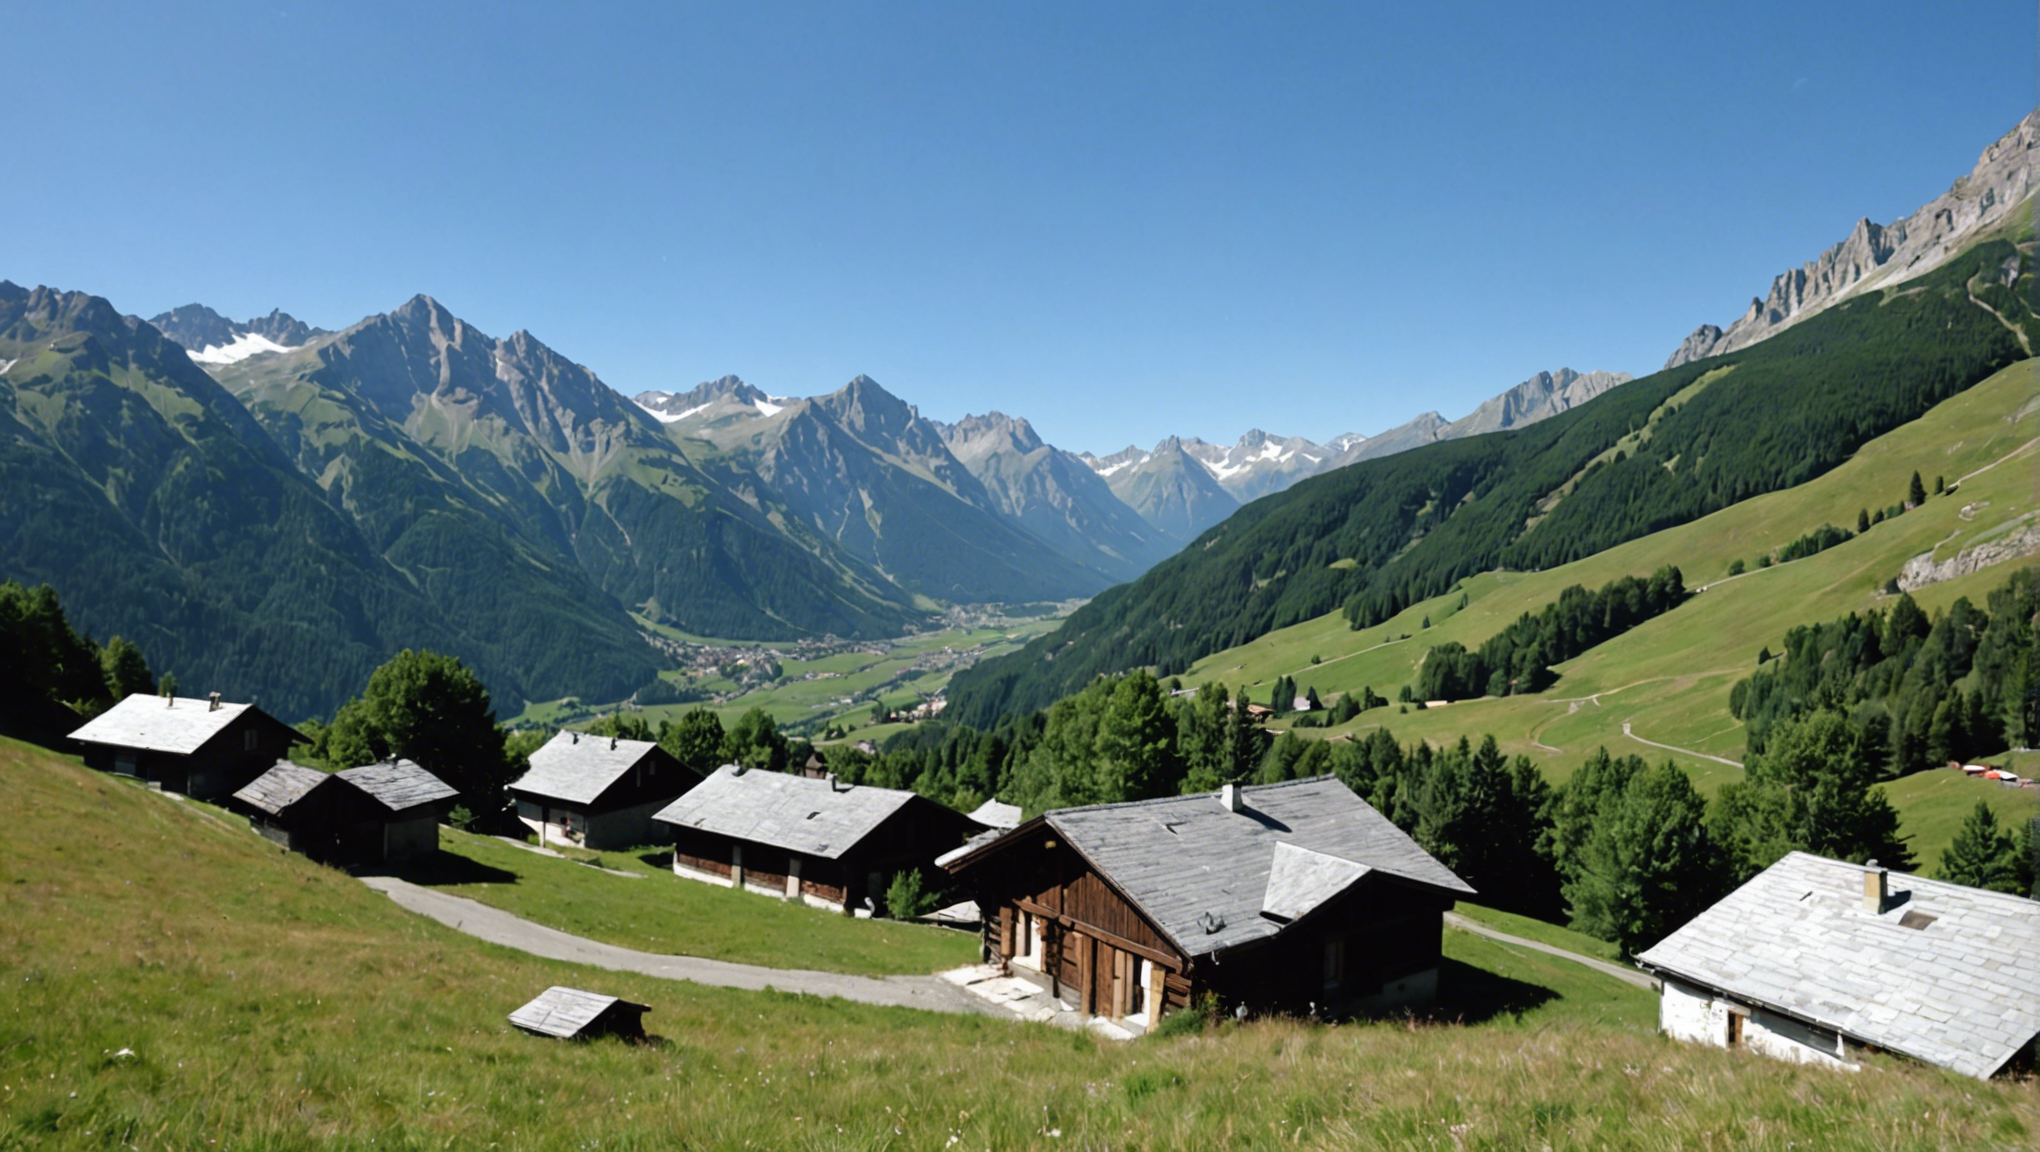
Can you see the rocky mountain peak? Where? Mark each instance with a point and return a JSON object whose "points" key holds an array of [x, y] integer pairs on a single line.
{"points": [[213, 338], [865, 408], [1877, 256], [993, 431]]}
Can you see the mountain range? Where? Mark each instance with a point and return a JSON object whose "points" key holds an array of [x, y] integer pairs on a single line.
{"points": [[238, 496]]}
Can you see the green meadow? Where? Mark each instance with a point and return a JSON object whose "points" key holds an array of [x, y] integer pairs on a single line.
{"points": [[1668, 680], [174, 982]]}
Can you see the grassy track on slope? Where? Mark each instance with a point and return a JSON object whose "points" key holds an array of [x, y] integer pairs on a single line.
{"points": [[1670, 678], [175, 983]]}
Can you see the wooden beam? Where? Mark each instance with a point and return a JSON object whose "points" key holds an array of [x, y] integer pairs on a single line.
{"points": [[1173, 963]]}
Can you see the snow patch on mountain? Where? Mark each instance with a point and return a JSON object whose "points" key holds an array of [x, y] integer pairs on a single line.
{"points": [[245, 345], [768, 408], [668, 417]]}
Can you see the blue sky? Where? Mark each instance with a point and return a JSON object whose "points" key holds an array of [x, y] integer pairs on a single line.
{"points": [[1122, 221]]}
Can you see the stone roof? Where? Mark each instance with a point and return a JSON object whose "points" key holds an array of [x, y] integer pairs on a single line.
{"points": [[400, 785], [993, 814], [1945, 974], [282, 786], [566, 1012], [577, 768], [1299, 880], [180, 725], [798, 813], [1203, 873]]}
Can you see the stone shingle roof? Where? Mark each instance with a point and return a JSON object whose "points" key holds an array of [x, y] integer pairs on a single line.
{"points": [[994, 814], [1961, 990], [564, 1012], [400, 785], [797, 813], [180, 726], [1203, 873], [281, 786], [577, 768]]}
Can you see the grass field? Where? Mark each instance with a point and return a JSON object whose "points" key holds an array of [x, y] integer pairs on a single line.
{"points": [[178, 983], [661, 912], [175, 983], [1669, 679]]}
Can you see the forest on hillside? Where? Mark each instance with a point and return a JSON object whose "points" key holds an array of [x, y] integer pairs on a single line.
{"points": [[1373, 538]]}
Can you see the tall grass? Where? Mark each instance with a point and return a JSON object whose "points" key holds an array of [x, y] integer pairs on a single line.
{"points": [[170, 982]]}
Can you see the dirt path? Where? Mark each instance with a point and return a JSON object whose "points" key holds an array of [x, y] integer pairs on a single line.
{"points": [[1621, 972], [499, 927], [1680, 751], [535, 849]]}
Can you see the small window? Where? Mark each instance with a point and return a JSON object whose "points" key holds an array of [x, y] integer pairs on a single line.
{"points": [[1735, 1029], [248, 740], [1335, 964]]}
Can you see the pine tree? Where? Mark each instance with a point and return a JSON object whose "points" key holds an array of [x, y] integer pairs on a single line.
{"points": [[1916, 492], [1649, 863], [1982, 855], [1862, 521]]}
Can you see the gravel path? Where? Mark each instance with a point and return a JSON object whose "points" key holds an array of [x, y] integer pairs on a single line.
{"points": [[499, 927], [930, 993], [1621, 972], [1682, 751]]}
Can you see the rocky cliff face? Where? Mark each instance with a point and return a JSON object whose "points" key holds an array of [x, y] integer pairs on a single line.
{"points": [[1543, 395], [1877, 256]]}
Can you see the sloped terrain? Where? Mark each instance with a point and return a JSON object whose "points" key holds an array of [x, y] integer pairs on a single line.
{"points": [[175, 982], [1376, 537]]}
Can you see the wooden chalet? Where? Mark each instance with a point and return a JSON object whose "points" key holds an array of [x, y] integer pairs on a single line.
{"points": [[201, 748], [1285, 897], [571, 1014], [599, 791], [376, 814], [829, 844]]}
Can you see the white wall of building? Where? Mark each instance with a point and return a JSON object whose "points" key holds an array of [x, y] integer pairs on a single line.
{"points": [[1697, 1016]]}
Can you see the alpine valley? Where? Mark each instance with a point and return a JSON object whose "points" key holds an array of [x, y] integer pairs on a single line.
{"points": [[231, 495]]}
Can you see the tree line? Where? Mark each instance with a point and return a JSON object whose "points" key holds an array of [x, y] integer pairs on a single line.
{"points": [[1518, 659], [52, 679], [1920, 692]]}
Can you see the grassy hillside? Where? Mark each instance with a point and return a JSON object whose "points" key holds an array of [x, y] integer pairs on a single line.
{"points": [[1666, 450], [174, 982], [1669, 679]]}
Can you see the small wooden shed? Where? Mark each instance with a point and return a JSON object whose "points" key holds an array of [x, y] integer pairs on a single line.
{"points": [[377, 814], [572, 1014]]}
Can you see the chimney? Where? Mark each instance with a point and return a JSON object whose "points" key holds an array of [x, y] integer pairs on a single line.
{"points": [[1230, 797], [612, 743], [212, 702], [831, 778], [573, 737], [1876, 888]]}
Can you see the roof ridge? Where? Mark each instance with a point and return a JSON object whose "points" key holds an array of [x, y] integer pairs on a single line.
{"points": [[1181, 796]]}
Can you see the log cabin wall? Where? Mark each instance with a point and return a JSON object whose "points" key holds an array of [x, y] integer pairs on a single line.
{"points": [[1097, 952]]}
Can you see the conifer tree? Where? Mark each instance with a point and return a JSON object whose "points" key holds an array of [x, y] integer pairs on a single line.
{"points": [[1982, 855], [1648, 865], [1916, 492]]}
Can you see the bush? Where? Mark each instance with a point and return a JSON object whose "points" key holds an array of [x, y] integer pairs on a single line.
{"points": [[1190, 1021], [908, 896]]}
